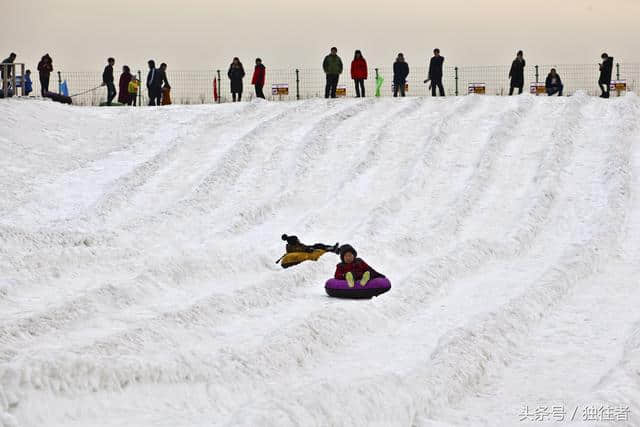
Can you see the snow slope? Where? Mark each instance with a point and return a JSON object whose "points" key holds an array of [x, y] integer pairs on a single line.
{"points": [[138, 284]]}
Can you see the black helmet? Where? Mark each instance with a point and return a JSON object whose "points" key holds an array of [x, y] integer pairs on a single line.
{"points": [[347, 248]]}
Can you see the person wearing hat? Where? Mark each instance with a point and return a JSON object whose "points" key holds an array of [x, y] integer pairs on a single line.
{"points": [[45, 68], [297, 252], [354, 269], [553, 84], [295, 245]]}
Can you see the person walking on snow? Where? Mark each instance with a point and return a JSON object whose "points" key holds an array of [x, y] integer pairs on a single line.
{"points": [[258, 79], [435, 73], [236, 74], [606, 70], [332, 66], [354, 269], [359, 73], [516, 73], [107, 80], [400, 73]]}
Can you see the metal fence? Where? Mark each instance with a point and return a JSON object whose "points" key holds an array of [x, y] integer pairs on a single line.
{"points": [[196, 87]]}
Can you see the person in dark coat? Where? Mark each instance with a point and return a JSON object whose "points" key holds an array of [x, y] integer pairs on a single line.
{"points": [[45, 68], [295, 245], [553, 83], [154, 84], [107, 80], [9, 60], [258, 79], [400, 73], [435, 72], [332, 66], [353, 269], [359, 73], [606, 70], [516, 74], [123, 86], [236, 74]]}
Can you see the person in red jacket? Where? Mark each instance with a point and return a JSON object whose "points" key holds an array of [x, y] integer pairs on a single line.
{"points": [[359, 73], [258, 78], [352, 268]]}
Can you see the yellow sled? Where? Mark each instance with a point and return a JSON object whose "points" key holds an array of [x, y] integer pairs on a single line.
{"points": [[295, 258]]}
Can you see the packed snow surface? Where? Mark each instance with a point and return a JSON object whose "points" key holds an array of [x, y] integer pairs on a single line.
{"points": [[138, 285]]}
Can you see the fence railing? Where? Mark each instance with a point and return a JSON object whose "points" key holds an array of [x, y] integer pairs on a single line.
{"points": [[196, 87]]}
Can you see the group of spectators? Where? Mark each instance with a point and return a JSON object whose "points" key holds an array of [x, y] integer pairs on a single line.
{"points": [[26, 82], [236, 74], [158, 85], [129, 85], [332, 66], [553, 83]]}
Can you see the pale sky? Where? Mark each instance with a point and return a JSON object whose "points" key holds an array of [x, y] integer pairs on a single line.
{"points": [[205, 34]]}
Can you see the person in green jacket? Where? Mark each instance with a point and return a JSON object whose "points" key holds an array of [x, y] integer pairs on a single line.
{"points": [[332, 66]]}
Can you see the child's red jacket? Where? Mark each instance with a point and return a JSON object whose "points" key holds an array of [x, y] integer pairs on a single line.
{"points": [[357, 267]]}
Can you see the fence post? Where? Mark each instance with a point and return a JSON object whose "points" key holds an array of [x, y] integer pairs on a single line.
{"points": [[22, 85], [5, 79], [219, 88], [618, 71], [456, 69], [59, 82], [139, 94], [537, 75], [297, 84]]}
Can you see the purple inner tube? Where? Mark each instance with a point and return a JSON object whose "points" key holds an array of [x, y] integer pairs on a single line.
{"points": [[378, 283], [340, 288]]}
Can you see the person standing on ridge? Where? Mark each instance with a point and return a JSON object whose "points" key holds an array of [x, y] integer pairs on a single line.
{"points": [[236, 74], [165, 87], [45, 68], [28, 84], [107, 80], [516, 74], [435, 72], [134, 86], [359, 73], [154, 84], [9, 60], [606, 70], [400, 73], [332, 66], [258, 79], [123, 85]]}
